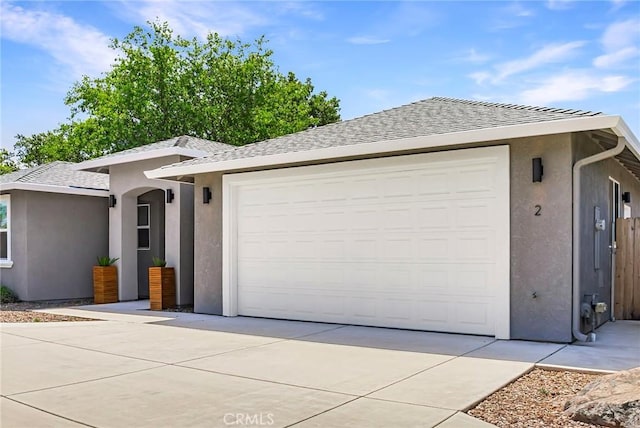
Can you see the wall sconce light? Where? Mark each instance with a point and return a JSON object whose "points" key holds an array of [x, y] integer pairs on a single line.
{"points": [[112, 201], [206, 195], [538, 170], [626, 197], [170, 196]]}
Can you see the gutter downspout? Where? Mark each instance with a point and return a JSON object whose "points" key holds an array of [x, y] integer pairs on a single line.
{"points": [[591, 337]]}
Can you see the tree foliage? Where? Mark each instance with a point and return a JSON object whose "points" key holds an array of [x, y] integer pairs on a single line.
{"points": [[7, 164], [163, 85]]}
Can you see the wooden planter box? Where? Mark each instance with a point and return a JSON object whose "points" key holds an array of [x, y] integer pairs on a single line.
{"points": [[162, 288], [105, 284]]}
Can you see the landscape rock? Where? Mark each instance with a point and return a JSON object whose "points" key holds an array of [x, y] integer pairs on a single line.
{"points": [[611, 401]]}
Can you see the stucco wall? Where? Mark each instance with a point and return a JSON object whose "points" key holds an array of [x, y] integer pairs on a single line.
{"points": [[596, 191], [541, 245], [208, 246], [127, 182], [16, 277], [61, 236]]}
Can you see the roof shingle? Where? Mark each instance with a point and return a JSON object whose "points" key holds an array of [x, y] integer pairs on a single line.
{"points": [[432, 116], [184, 141], [58, 173]]}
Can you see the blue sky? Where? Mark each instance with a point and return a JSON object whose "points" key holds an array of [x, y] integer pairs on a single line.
{"points": [[371, 55]]}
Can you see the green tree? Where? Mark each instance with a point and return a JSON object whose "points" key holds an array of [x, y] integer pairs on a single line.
{"points": [[7, 163], [162, 85]]}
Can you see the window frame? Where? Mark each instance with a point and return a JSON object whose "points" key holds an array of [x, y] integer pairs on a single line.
{"points": [[147, 226], [7, 262]]}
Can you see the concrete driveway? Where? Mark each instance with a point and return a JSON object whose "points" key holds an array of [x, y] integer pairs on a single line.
{"points": [[168, 370]]}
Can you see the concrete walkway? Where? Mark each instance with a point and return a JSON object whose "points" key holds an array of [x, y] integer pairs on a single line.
{"points": [[157, 369]]}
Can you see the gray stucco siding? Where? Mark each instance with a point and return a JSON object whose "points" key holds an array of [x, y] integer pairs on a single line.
{"points": [[596, 191], [16, 276], [541, 244], [55, 241], [208, 246]]}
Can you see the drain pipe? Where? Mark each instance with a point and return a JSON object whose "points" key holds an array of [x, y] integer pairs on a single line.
{"points": [[591, 337]]}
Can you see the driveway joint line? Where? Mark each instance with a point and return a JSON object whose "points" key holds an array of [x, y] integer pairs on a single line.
{"points": [[388, 400], [377, 399], [322, 412], [83, 381], [50, 413], [227, 352], [551, 354], [278, 340], [412, 375], [478, 348], [95, 350], [275, 382]]}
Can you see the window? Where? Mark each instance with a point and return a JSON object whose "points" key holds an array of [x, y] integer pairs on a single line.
{"points": [[5, 231], [143, 226]]}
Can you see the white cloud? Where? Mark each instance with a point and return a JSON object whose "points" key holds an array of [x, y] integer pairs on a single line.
{"points": [[573, 85], [517, 9], [196, 18], [616, 58], [377, 94], [548, 54], [621, 34], [82, 49], [620, 42], [559, 4], [366, 40], [511, 16], [617, 4], [474, 57], [480, 77]]}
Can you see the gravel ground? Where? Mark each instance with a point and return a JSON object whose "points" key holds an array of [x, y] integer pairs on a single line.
{"points": [[22, 311], [536, 400]]}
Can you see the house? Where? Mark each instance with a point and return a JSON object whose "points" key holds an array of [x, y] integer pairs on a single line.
{"points": [[149, 217], [444, 215], [53, 225]]}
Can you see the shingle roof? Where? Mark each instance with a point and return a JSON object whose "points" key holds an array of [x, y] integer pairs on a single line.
{"points": [[58, 174], [184, 141], [432, 116]]}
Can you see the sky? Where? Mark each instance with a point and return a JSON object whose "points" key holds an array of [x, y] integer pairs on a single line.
{"points": [[371, 55]]}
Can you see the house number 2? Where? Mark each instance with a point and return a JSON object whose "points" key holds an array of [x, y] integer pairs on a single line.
{"points": [[538, 210]]}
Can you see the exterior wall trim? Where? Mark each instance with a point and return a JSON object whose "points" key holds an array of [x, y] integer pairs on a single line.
{"points": [[102, 163], [55, 189]]}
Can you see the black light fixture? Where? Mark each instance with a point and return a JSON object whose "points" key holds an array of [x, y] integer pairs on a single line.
{"points": [[170, 196], [538, 170], [112, 201], [626, 197], [206, 195]]}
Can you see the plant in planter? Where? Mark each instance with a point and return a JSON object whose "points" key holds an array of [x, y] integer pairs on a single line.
{"points": [[105, 281], [162, 285]]}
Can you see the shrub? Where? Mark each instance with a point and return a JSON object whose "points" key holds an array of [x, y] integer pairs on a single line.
{"points": [[158, 262], [7, 295], [106, 261]]}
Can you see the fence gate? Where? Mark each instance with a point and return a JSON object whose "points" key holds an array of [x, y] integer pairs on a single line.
{"points": [[627, 275]]}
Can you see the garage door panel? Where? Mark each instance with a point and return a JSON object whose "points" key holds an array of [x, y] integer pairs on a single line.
{"points": [[410, 245]]}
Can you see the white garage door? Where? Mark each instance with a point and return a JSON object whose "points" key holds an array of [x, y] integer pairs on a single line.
{"points": [[419, 242]]}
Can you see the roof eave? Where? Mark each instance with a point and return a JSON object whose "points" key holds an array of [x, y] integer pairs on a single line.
{"points": [[35, 187], [406, 144], [103, 164]]}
